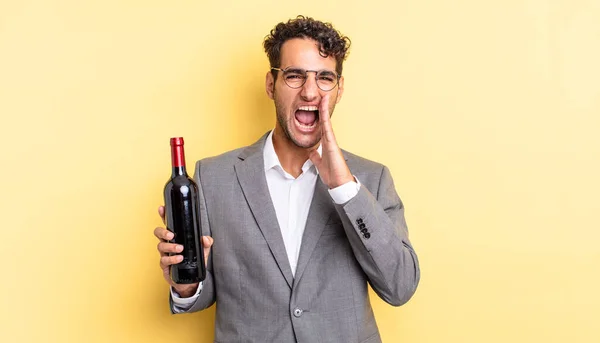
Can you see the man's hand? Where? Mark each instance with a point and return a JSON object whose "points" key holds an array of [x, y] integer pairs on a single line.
{"points": [[331, 165], [165, 248]]}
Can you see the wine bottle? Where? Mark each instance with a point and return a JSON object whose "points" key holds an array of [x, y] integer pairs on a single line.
{"points": [[182, 218]]}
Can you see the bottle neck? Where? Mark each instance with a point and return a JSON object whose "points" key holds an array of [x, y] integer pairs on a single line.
{"points": [[179, 171], [178, 160]]}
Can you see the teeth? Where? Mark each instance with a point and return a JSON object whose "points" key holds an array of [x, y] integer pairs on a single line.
{"points": [[308, 108], [305, 126]]}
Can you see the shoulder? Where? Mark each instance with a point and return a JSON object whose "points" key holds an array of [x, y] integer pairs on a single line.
{"points": [[225, 158], [369, 172], [222, 165], [218, 164], [361, 164]]}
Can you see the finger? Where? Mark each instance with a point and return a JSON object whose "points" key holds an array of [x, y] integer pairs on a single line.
{"points": [[164, 248], [163, 234], [315, 158], [324, 109], [161, 213], [167, 275], [326, 129], [170, 260], [207, 242]]}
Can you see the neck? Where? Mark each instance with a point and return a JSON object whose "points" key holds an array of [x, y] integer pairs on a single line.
{"points": [[291, 156]]}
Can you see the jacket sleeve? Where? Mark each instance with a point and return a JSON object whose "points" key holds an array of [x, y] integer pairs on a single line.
{"points": [[207, 295], [377, 232]]}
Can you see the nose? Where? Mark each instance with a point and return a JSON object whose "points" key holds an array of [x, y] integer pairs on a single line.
{"points": [[310, 90]]}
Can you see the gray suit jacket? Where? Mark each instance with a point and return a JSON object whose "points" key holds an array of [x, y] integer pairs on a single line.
{"points": [[344, 247]]}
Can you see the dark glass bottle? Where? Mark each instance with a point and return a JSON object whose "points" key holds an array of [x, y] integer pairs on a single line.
{"points": [[182, 217]]}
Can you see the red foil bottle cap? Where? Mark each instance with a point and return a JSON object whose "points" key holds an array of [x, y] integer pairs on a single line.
{"points": [[177, 154], [176, 141]]}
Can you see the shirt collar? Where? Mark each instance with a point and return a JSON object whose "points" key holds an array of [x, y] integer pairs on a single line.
{"points": [[272, 161]]}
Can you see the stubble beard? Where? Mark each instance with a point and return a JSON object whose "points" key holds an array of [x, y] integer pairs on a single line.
{"points": [[285, 126]]}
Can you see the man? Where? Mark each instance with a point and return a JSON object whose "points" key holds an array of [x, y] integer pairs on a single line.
{"points": [[295, 227]]}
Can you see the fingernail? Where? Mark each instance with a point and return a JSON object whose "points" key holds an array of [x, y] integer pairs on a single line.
{"points": [[179, 248], [179, 258], [169, 235]]}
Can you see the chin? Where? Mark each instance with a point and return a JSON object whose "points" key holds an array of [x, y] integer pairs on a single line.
{"points": [[303, 136], [305, 142]]}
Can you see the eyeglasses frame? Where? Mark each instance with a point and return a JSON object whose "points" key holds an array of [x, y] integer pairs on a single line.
{"points": [[338, 77]]}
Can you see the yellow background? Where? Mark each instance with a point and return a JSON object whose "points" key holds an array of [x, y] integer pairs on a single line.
{"points": [[487, 113]]}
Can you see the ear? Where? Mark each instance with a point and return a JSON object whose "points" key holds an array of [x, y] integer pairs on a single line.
{"points": [[270, 85], [340, 90]]}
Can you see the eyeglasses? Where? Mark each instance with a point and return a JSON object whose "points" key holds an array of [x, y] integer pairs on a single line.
{"points": [[296, 78]]}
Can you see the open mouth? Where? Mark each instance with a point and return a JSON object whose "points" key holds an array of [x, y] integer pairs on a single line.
{"points": [[307, 117]]}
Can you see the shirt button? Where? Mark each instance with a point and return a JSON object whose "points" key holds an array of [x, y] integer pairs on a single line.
{"points": [[297, 312]]}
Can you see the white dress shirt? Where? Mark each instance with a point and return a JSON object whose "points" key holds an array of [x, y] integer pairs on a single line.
{"points": [[291, 198]]}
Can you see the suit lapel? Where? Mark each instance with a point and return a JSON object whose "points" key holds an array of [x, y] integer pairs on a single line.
{"points": [[251, 176], [321, 208]]}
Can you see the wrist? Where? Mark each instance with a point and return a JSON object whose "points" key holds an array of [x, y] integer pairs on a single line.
{"points": [[341, 181], [186, 291]]}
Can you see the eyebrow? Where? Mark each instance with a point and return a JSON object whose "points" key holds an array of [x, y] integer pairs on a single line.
{"points": [[288, 69], [302, 69]]}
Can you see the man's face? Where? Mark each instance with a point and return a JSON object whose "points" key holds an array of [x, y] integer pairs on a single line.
{"points": [[297, 109]]}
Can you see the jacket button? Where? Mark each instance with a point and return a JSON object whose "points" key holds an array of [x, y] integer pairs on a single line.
{"points": [[367, 235], [362, 225], [297, 312], [359, 221]]}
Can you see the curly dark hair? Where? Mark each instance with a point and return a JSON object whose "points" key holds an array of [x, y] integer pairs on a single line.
{"points": [[330, 41]]}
